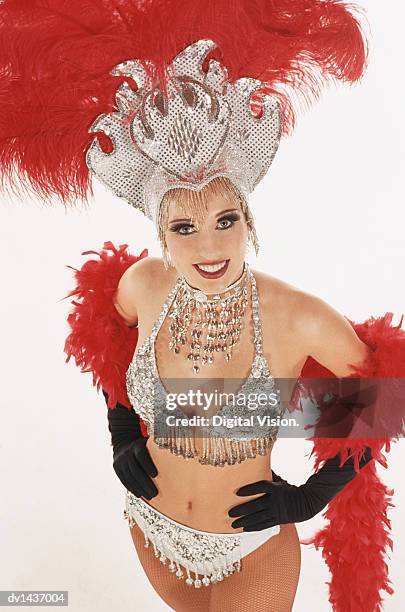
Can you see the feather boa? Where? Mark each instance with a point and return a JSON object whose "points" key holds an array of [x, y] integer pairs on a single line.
{"points": [[100, 341], [356, 536]]}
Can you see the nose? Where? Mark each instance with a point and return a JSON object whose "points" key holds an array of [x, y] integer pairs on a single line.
{"points": [[210, 246]]}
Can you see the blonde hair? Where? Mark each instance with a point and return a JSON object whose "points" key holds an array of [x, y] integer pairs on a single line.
{"points": [[194, 205]]}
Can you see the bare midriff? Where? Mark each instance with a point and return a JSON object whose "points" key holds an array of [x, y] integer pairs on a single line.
{"points": [[200, 496]]}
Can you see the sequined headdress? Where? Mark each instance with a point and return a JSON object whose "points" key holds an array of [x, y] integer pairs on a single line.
{"points": [[149, 95], [203, 128]]}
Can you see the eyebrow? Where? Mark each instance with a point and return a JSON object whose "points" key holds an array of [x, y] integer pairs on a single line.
{"points": [[216, 216]]}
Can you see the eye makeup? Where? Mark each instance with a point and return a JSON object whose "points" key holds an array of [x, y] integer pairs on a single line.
{"points": [[176, 227]]}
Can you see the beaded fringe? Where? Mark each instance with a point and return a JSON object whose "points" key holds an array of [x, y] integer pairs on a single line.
{"points": [[215, 570], [217, 451]]}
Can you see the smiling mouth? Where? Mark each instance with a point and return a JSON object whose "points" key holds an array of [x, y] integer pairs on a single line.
{"points": [[212, 270]]}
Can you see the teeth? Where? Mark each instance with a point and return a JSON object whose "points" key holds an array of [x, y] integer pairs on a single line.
{"points": [[213, 268]]}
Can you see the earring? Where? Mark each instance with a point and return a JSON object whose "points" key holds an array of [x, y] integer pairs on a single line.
{"points": [[167, 260], [252, 238]]}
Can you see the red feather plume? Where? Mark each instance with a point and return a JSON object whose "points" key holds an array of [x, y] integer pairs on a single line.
{"points": [[57, 56]]}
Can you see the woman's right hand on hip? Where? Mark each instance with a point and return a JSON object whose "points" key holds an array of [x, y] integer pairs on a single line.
{"points": [[135, 469], [131, 459]]}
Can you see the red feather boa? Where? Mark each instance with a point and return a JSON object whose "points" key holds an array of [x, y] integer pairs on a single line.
{"points": [[100, 341], [356, 537]]}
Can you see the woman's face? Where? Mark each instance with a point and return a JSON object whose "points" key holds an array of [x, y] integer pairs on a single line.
{"points": [[220, 237]]}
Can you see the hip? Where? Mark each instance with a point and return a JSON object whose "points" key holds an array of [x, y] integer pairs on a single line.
{"points": [[200, 557]]}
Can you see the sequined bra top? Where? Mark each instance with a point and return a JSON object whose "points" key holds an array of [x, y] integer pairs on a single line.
{"points": [[238, 433]]}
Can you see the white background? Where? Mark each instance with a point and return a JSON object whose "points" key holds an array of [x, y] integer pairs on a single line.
{"points": [[330, 218]]}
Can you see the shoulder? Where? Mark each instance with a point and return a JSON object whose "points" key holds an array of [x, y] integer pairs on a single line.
{"points": [[142, 283], [143, 271], [313, 324], [278, 299]]}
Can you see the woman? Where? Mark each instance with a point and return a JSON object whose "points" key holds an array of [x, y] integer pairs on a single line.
{"points": [[193, 128], [294, 325]]}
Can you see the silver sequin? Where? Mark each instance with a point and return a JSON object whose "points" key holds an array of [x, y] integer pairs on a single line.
{"points": [[204, 129], [222, 445], [211, 555]]}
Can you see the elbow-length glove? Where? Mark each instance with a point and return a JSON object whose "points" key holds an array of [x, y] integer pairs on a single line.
{"points": [[286, 503], [131, 459]]}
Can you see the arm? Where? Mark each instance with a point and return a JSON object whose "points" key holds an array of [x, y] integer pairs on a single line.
{"points": [[108, 286], [334, 345], [329, 337], [286, 503], [131, 459], [332, 341]]}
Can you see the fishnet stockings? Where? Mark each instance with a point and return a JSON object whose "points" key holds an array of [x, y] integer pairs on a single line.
{"points": [[267, 583]]}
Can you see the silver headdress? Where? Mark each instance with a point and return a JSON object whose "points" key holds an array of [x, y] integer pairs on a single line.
{"points": [[202, 129]]}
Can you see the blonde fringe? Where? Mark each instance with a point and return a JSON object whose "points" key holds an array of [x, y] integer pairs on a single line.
{"points": [[194, 205]]}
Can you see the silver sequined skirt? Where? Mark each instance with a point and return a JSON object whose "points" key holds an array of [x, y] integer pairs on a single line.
{"points": [[211, 557]]}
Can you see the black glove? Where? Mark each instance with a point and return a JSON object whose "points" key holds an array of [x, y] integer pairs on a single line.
{"points": [[276, 477], [285, 503], [132, 462]]}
